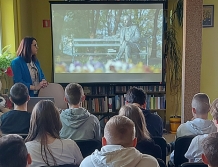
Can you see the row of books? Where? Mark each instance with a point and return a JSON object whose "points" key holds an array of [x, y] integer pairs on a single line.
{"points": [[156, 102], [145, 88], [103, 90], [103, 104], [113, 104], [95, 90]]}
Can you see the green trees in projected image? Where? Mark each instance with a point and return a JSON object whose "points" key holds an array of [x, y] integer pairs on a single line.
{"points": [[107, 23]]}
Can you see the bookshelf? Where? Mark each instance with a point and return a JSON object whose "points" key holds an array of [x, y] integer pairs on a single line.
{"points": [[105, 100]]}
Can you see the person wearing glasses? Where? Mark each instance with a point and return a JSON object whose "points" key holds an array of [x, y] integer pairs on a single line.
{"points": [[26, 68]]}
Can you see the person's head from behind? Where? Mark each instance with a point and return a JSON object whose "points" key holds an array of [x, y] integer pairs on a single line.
{"points": [[119, 130], [136, 96], [45, 120], [135, 114], [200, 105], [28, 49], [19, 94], [44, 123], [126, 20], [210, 150], [13, 152], [74, 94]]}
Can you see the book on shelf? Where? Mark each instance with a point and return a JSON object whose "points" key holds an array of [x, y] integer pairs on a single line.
{"points": [[117, 102], [98, 90], [110, 104], [156, 102]]}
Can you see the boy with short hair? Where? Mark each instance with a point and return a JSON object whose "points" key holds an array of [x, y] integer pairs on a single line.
{"points": [[17, 121], [195, 149], [118, 147], [13, 152], [199, 125], [210, 150], [77, 122]]}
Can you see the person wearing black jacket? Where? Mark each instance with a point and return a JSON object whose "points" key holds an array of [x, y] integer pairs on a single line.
{"points": [[17, 121]]}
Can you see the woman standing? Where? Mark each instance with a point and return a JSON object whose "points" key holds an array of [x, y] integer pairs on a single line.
{"points": [[26, 67]]}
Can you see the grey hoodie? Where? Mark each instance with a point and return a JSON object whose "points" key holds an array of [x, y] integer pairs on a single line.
{"points": [[118, 156], [197, 126], [79, 124]]}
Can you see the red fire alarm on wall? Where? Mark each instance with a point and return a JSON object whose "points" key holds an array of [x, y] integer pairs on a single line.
{"points": [[46, 23]]}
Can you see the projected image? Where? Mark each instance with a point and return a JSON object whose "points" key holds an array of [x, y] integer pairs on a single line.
{"points": [[107, 41]]}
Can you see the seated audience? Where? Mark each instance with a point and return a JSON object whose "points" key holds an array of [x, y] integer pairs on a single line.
{"points": [[43, 141], [118, 147], [200, 124], [17, 121], [77, 122], [13, 152], [195, 149], [210, 150], [154, 122], [144, 142]]}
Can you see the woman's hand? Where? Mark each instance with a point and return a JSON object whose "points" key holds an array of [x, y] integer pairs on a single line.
{"points": [[44, 83], [37, 87]]}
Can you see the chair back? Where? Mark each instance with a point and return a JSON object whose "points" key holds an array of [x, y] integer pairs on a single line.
{"points": [[150, 148], [163, 145], [54, 90], [193, 164], [87, 147], [181, 147], [161, 162]]}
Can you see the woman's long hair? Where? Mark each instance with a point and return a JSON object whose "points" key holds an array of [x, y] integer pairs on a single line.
{"points": [[24, 50], [45, 120], [135, 114]]}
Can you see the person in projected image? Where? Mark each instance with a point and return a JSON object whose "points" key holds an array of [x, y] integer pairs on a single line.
{"points": [[26, 67], [129, 38]]}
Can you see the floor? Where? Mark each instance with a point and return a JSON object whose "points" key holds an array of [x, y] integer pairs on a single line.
{"points": [[169, 138]]}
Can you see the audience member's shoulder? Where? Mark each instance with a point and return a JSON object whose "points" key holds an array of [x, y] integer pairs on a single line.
{"points": [[32, 144], [92, 116], [199, 138], [68, 141], [180, 129], [156, 117], [149, 160], [5, 115]]}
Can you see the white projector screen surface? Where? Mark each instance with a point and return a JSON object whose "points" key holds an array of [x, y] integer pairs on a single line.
{"points": [[107, 42]]}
